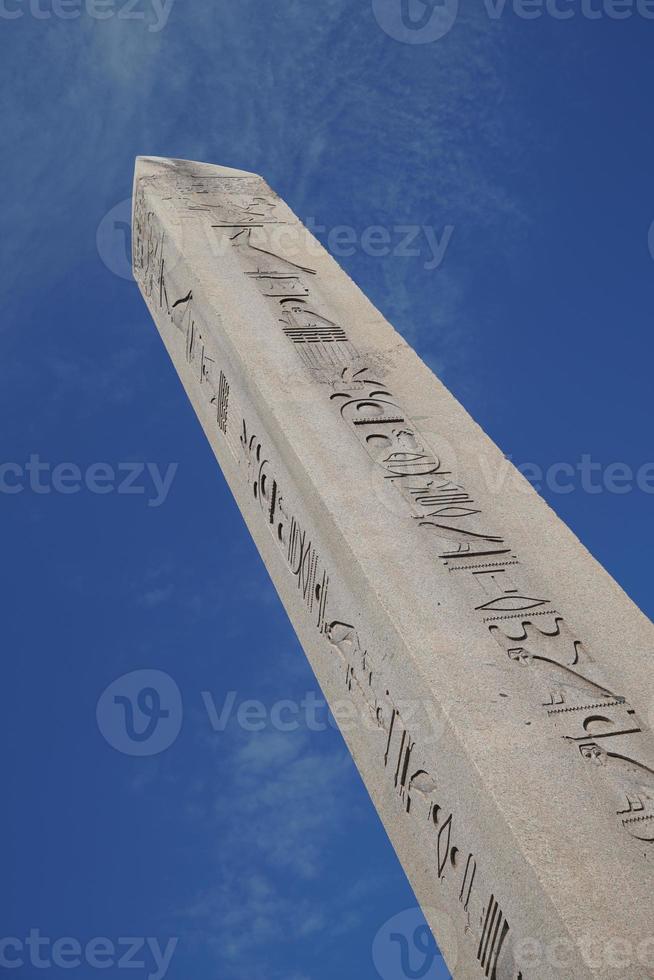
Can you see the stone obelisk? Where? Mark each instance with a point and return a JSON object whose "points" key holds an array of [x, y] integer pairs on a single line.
{"points": [[498, 686]]}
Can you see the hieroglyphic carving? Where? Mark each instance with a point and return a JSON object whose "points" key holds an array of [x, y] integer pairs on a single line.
{"points": [[229, 201], [293, 540], [495, 931], [402, 758], [468, 881], [529, 631], [502, 597], [149, 249], [222, 402], [420, 799], [321, 342], [524, 623], [443, 508]]}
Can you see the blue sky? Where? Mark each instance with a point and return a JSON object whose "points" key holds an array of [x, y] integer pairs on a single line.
{"points": [[531, 140]]}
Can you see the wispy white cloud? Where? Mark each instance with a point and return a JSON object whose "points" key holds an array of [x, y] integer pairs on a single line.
{"points": [[448, 160], [284, 807], [156, 597]]}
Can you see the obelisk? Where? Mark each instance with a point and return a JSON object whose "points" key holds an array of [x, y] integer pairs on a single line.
{"points": [[500, 682]]}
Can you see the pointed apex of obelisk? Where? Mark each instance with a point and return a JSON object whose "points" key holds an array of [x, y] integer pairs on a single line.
{"points": [[158, 166]]}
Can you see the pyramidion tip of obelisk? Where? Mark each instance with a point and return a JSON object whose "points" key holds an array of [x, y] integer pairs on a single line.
{"points": [[147, 166]]}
